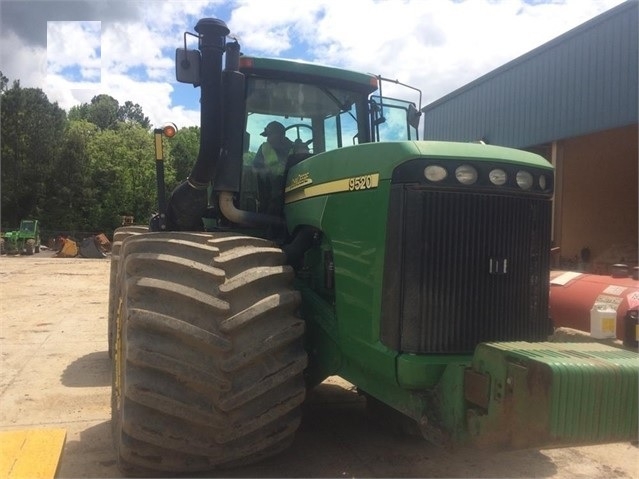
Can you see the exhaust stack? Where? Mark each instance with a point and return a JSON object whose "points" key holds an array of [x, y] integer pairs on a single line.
{"points": [[188, 202]]}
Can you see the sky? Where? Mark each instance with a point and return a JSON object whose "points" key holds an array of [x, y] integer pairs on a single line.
{"points": [[76, 49]]}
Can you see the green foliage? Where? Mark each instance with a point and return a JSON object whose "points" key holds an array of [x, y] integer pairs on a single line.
{"points": [[4, 82], [81, 172], [106, 113], [79, 112], [71, 176], [30, 137], [184, 149], [132, 113], [123, 175], [103, 112]]}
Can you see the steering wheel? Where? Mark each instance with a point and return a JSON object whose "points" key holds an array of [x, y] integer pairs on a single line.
{"points": [[298, 141]]}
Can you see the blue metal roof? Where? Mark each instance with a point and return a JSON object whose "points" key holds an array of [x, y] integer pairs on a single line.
{"points": [[583, 81]]}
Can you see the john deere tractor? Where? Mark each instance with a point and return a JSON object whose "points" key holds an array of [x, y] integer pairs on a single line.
{"points": [[416, 270], [25, 240]]}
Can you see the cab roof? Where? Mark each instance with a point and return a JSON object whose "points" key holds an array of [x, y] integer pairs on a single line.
{"points": [[308, 72]]}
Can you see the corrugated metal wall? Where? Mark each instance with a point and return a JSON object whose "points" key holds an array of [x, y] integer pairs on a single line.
{"points": [[583, 81]]}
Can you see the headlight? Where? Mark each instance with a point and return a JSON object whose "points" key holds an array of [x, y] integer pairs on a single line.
{"points": [[524, 180], [435, 173], [497, 177], [543, 182], [466, 174]]}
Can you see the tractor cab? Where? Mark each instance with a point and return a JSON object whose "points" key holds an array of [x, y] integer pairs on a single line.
{"points": [[313, 109], [324, 107], [313, 112], [29, 227], [319, 109]]}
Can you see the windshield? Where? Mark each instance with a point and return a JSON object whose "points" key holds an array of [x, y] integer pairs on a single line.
{"points": [[316, 118], [27, 226]]}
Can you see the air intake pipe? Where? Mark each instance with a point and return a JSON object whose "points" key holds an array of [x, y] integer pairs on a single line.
{"points": [[188, 201]]}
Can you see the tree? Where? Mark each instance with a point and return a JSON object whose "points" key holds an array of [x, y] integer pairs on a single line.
{"points": [[132, 113], [123, 178], [103, 112], [30, 132], [70, 186], [184, 149], [78, 173], [4, 82], [79, 112]]}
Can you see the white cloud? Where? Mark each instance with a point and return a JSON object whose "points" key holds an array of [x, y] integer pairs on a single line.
{"points": [[65, 92], [125, 46], [72, 44], [271, 28], [153, 96], [22, 62]]}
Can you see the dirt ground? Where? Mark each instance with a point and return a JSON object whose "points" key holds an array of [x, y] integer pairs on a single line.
{"points": [[55, 373]]}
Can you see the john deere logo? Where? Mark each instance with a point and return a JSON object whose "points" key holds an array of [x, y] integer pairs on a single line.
{"points": [[298, 181]]}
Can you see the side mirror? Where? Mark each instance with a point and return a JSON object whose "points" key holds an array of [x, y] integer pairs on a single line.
{"points": [[413, 116], [187, 66]]}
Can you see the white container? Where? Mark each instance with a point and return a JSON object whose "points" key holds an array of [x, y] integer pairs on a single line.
{"points": [[603, 321]]}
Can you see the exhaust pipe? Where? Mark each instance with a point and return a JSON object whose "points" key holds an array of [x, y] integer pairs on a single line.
{"points": [[188, 202]]}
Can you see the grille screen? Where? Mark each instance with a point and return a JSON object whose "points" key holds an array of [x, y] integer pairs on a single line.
{"points": [[463, 268]]}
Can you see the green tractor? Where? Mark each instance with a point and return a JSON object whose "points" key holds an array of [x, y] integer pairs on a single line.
{"points": [[25, 240], [416, 270]]}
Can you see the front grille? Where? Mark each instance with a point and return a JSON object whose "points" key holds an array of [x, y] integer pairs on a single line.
{"points": [[463, 268]]}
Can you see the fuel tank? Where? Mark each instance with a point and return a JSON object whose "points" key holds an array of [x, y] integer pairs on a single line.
{"points": [[581, 300]]}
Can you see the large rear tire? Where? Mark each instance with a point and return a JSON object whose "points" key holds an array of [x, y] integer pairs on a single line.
{"points": [[208, 357]]}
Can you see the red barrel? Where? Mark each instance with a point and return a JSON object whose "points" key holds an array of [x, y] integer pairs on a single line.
{"points": [[573, 295]]}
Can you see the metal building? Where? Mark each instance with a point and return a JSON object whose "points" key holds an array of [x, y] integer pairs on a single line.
{"points": [[573, 100]]}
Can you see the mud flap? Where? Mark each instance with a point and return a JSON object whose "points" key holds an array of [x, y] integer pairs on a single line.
{"points": [[522, 395]]}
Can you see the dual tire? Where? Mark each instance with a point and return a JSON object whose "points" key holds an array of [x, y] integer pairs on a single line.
{"points": [[207, 352]]}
